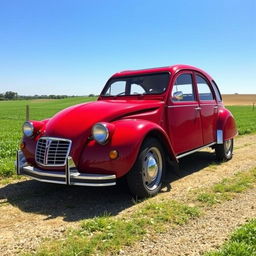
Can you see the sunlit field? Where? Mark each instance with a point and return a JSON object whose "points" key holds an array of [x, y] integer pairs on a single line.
{"points": [[12, 116]]}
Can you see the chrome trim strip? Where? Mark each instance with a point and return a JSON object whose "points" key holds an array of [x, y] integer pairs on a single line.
{"points": [[192, 105], [20, 161], [48, 181], [195, 150], [76, 174], [67, 172], [219, 137], [93, 176], [177, 106], [207, 104], [94, 184], [43, 173]]}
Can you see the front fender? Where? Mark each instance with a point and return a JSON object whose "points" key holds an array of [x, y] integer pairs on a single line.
{"points": [[226, 123], [127, 139]]}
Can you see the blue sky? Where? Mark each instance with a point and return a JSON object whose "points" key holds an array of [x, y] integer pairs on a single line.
{"points": [[73, 47]]}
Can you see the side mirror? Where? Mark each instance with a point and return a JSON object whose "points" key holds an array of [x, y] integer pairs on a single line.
{"points": [[177, 96]]}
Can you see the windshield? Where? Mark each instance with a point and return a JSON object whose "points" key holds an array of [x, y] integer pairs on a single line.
{"points": [[137, 85]]}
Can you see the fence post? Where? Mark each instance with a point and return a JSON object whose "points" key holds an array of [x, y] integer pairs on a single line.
{"points": [[27, 112]]}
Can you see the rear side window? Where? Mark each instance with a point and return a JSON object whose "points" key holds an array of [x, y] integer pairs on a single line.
{"points": [[203, 89], [216, 90], [183, 88]]}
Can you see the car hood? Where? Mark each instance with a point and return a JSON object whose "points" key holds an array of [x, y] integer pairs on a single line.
{"points": [[78, 120]]}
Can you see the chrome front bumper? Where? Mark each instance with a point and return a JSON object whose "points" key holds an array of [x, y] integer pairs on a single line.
{"points": [[71, 176]]}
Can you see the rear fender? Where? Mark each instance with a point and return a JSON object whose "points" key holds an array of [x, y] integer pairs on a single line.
{"points": [[127, 139], [226, 126]]}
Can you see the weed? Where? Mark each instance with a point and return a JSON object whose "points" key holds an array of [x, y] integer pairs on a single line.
{"points": [[241, 243], [227, 188], [108, 234]]}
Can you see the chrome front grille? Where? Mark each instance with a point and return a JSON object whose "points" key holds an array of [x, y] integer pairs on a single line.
{"points": [[52, 151]]}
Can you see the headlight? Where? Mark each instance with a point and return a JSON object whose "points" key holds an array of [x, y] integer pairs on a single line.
{"points": [[28, 129], [100, 133]]}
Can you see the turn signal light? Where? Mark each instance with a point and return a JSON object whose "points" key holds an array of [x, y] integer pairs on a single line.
{"points": [[22, 145], [113, 154]]}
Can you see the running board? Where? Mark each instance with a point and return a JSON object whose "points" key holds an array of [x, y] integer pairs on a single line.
{"points": [[195, 150]]}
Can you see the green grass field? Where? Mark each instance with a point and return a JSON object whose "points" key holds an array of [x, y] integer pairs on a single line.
{"points": [[12, 116], [245, 118]]}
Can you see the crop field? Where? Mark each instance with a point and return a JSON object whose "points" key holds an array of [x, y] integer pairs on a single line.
{"points": [[12, 116], [239, 99]]}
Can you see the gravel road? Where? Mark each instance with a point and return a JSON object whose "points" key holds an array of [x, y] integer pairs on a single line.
{"points": [[202, 234], [32, 211]]}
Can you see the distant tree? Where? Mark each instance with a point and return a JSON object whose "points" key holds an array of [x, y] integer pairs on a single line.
{"points": [[11, 95], [91, 95]]}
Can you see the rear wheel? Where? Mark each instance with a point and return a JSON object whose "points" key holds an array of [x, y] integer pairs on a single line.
{"points": [[146, 177], [224, 152]]}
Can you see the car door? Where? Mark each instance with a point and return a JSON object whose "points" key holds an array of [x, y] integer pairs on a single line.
{"points": [[184, 122], [209, 108]]}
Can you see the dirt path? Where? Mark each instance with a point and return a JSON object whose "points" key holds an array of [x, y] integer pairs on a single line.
{"points": [[202, 234], [32, 211]]}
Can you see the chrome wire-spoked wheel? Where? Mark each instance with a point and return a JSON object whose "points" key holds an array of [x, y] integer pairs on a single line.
{"points": [[146, 176], [224, 152], [152, 168]]}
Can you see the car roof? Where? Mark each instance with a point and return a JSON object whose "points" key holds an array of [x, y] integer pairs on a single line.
{"points": [[172, 69]]}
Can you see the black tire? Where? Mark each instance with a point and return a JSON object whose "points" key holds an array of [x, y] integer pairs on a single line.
{"points": [[146, 176], [224, 152]]}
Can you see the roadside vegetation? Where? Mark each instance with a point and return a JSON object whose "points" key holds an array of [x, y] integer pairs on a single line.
{"points": [[241, 243], [108, 234], [227, 188]]}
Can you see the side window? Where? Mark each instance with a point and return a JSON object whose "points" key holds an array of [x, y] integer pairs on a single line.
{"points": [[116, 88], [203, 89], [183, 88], [217, 92], [136, 89]]}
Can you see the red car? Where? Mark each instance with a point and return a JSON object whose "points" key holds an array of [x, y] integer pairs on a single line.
{"points": [[141, 120]]}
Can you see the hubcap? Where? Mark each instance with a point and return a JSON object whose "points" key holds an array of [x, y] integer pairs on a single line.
{"points": [[152, 168], [228, 147]]}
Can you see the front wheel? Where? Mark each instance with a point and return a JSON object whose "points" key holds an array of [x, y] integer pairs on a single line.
{"points": [[146, 177], [224, 152]]}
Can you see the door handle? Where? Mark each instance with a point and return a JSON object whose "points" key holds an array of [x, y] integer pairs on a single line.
{"points": [[215, 107], [198, 108]]}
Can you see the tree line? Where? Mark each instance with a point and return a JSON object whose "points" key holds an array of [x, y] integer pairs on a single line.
{"points": [[9, 95]]}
